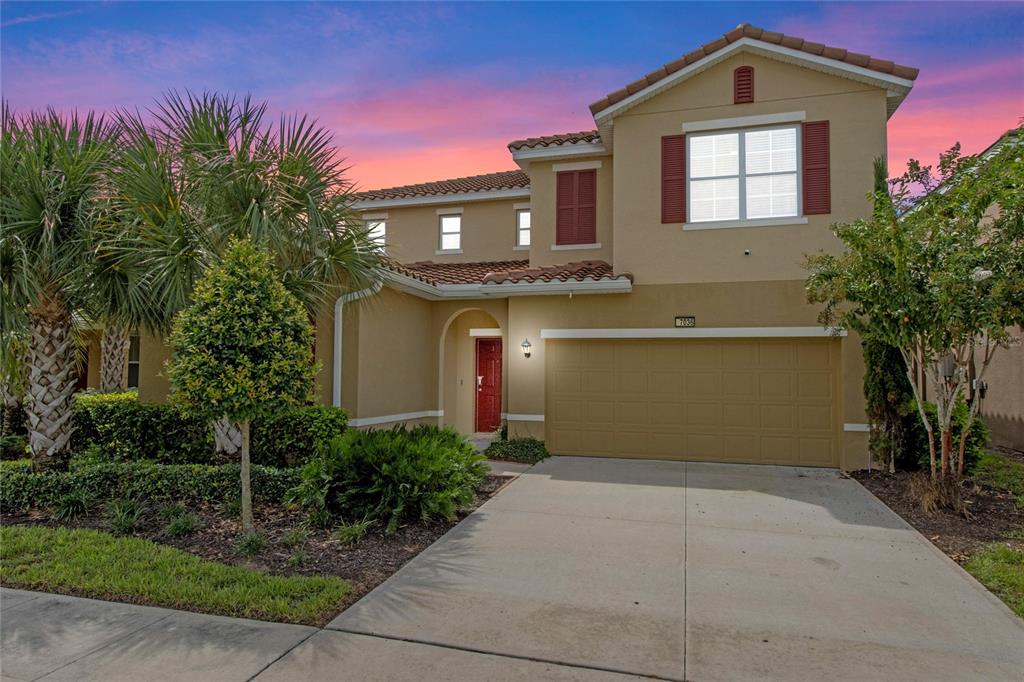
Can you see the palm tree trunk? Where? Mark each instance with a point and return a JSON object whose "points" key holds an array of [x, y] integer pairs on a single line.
{"points": [[248, 525], [114, 359], [51, 382]]}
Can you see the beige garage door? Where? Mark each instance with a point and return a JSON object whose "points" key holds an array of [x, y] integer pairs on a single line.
{"points": [[763, 401]]}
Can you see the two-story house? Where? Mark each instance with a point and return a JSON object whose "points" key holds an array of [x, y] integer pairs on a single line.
{"points": [[635, 290]]}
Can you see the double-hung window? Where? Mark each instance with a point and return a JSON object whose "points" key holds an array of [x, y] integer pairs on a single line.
{"points": [[451, 232], [523, 227], [743, 175]]}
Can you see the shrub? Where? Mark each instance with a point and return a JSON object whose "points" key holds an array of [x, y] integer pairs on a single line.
{"points": [[117, 427], [296, 537], [21, 488], [124, 515], [73, 504], [915, 454], [351, 534], [889, 400], [13, 447], [393, 476], [182, 524], [252, 543], [528, 450]]}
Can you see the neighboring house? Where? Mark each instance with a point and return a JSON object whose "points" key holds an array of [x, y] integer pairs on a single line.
{"points": [[653, 266]]}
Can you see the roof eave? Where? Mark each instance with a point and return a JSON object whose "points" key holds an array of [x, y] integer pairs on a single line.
{"points": [[441, 292], [454, 197], [527, 155]]}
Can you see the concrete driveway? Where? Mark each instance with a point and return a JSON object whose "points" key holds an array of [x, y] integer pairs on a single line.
{"points": [[602, 569]]}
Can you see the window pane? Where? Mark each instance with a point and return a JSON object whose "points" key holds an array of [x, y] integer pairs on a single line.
{"points": [[524, 237], [771, 196], [714, 155], [451, 223], [770, 151], [451, 241], [378, 230], [133, 349], [714, 200], [133, 375], [524, 220]]}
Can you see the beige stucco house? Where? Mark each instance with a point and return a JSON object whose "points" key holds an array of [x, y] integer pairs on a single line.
{"points": [[635, 290]]}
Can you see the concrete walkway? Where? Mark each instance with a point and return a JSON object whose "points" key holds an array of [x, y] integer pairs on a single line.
{"points": [[594, 569]]}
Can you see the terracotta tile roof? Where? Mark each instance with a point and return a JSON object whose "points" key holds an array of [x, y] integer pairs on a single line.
{"points": [[748, 31], [514, 179], [555, 140], [570, 272], [506, 272]]}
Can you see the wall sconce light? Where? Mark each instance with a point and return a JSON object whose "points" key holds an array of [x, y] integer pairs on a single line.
{"points": [[527, 347]]}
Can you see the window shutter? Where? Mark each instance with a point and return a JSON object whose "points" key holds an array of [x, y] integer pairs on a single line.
{"points": [[817, 190], [586, 207], [565, 208], [673, 179], [743, 85]]}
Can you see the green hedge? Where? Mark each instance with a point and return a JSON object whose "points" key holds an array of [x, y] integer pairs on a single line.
{"points": [[22, 489], [124, 429], [529, 450]]}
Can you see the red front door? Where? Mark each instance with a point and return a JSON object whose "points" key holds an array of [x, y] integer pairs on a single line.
{"points": [[488, 385]]}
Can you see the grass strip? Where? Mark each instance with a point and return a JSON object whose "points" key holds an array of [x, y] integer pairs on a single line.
{"points": [[91, 563], [1001, 569]]}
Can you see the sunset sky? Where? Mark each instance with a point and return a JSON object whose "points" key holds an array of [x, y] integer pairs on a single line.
{"points": [[416, 92]]}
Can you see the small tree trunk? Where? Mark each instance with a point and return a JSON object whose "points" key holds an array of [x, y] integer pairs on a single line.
{"points": [[51, 382], [947, 450], [248, 525], [227, 438], [931, 452], [114, 359]]}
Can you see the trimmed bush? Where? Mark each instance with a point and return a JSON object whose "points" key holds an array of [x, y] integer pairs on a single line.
{"points": [[22, 489], [529, 450], [915, 453], [13, 447], [392, 476], [116, 427]]}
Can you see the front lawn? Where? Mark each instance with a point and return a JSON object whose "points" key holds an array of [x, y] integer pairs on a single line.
{"points": [[1000, 568], [1002, 470], [91, 563]]}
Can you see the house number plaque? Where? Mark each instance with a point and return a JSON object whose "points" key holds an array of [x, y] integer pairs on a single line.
{"points": [[686, 321]]}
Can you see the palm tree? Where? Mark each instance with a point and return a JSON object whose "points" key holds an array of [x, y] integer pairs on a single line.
{"points": [[212, 169], [51, 167]]}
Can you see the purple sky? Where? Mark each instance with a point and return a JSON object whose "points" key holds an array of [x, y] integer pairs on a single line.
{"points": [[414, 92]]}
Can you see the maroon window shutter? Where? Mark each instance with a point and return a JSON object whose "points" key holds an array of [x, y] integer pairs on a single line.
{"points": [[817, 190], [565, 208], [586, 207], [743, 85], [673, 179]]}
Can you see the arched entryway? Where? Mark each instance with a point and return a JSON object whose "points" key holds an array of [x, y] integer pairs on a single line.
{"points": [[471, 376]]}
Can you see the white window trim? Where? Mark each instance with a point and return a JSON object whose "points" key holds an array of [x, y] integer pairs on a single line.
{"points": [[517, 246], [575, 166], [441, 233], [759, 222], [447, 252], [575, 247], [449, 211], [741, 160]]}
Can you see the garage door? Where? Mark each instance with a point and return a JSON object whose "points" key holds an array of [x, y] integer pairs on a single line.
{"points": [[762, 401]]}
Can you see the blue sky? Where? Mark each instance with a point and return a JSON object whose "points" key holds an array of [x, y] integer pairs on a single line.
{"points": [[416, 91]]}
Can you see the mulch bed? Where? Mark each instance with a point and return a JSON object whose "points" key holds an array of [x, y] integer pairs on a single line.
{"points": [[364, 566], [994, 514]]}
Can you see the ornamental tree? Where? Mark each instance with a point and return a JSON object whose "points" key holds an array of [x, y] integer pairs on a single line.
{"points": [[243, 349], [940, 276]]}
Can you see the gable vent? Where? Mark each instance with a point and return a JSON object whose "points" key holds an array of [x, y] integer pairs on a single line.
{"points": [[743, 85]]}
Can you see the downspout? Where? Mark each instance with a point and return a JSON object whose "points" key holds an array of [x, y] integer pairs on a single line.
{"points": [[339, 306]]}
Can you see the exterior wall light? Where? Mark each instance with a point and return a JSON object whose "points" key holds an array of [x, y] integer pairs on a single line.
{"points": [[527, 347]]}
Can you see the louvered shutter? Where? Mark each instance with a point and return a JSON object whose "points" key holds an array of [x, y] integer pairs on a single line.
{"points": [[673, 179], [816, 180], [743, 85], [586, 206], [565, 208]]}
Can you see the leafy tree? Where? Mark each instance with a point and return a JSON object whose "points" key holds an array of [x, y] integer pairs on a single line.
{"points": [[939, 276], [51, 166], [243, 349], [212, 169]]}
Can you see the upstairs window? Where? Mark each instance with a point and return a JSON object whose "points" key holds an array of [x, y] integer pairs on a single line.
{"points": [[378, 231], [451, 232], [523, 227], [743, 175], [133, 362]]}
